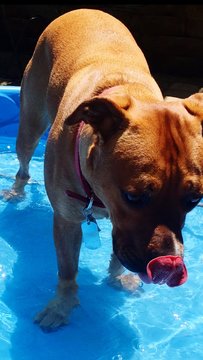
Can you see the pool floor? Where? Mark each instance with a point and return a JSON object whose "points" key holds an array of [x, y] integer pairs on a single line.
{"points": [[157, 322]]}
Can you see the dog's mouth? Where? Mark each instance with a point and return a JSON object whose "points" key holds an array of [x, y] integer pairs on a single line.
{"points": [[168, 269], [157, 267]]}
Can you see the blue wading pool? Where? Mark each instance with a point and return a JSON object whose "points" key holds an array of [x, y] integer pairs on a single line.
{"points": [[157, 322]]}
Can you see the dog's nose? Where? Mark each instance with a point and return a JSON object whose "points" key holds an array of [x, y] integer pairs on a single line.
{"points": [[164, 241]]}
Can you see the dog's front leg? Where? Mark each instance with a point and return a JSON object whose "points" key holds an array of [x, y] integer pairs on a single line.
{"points": [[128, 282], [67, 237]]}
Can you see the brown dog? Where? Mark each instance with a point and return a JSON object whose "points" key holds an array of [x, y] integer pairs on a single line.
{"points": [[115, 148]]}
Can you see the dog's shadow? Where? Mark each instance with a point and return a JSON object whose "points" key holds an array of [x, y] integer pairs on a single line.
{"points": [[97, 329]]}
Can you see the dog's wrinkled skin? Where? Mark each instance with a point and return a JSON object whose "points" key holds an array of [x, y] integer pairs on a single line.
{"points": [[142, 155]]}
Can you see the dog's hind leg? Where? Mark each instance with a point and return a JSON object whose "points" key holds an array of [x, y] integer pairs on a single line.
{"points": [[34, 121], [117, 278], [26, 143], [27, 140]]}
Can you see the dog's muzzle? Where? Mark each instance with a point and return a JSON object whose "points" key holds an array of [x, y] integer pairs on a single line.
{"points": [[166, 269]]}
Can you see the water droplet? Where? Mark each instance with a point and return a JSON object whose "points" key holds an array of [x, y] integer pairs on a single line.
{"points": [[117, 357]]}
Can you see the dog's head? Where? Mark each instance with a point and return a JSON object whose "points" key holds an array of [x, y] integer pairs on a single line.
{"points": [[146, 165]]}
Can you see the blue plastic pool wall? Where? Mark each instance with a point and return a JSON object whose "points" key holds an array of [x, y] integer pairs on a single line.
{"points": [[9, 110]]}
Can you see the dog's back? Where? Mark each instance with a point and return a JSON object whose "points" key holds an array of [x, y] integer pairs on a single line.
{"points": [[87, 37], [90, 47]]}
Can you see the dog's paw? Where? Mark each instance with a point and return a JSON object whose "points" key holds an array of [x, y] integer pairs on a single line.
{"points": [[12, 195], [127, 282], [50, 319], [55, 315]]}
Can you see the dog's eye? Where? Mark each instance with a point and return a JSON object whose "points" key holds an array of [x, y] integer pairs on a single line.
{"points": [[190, 201], [135, 200]]}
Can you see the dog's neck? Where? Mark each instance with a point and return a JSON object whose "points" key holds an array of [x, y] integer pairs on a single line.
{"points": [[91, 197]]}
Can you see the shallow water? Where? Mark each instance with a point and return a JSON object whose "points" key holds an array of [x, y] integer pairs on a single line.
{"points": [[157, 322]]}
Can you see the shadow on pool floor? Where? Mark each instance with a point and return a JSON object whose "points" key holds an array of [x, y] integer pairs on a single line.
{"points": [[97, 328]]}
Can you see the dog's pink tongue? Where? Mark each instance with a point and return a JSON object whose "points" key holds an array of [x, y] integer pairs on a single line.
{"points": [[168, 269]]}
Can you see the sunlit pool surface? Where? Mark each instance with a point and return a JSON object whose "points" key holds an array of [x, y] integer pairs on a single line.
{"points": [[157, 322]]}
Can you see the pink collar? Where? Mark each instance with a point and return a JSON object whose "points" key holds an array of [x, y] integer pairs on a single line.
{"points": [[86, 186]]}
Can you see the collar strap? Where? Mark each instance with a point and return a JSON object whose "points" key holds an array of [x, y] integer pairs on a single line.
{"points": [[86, 186]]}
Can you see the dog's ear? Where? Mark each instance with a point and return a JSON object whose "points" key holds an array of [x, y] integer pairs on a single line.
{"points": [[194, 104], [105, 116]]}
